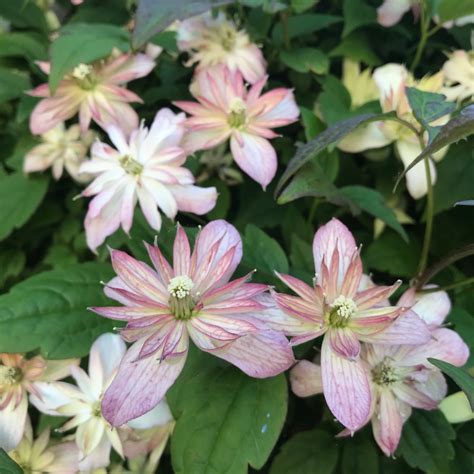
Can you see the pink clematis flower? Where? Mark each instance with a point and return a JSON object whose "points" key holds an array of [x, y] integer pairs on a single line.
{"points": [[95, 91], [167, 305], [147, 168], [346, 314], [227, 110], [217, 41], [94, 437], [19, 376]]}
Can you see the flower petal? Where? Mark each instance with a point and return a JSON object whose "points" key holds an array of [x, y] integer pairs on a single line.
{"points": [[305, 379], [346, 388], [344, 343], [12, 423], [140, 384], [194, 198]]}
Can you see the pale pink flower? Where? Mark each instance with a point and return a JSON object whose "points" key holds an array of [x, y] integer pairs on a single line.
{"points": [[95, 91], [19, 376], [60, 148], [215, 41], [227, 110], [167, 305], [148, 168], [40, 456], [94, 437], [400, 375], [339, 307]]}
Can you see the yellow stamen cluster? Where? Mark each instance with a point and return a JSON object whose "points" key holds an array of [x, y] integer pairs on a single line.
{"points": [[237, 117], [181, 302], [130, 165], [342, 309], [384, 374]]}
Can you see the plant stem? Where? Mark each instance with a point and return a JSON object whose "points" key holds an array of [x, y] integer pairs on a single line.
{"points": [[284, 26], [429, 211], [458, 284], [424, 23], [312, 210]]}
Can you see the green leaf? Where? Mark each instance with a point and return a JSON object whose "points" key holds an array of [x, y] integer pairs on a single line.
{"points": [[8, 465], [25, 45], [12, 262], [154, 16], [356, 46], [463, 379], [19, 198], [373, 202], [391, 254], [262, 253], [13, 83], [312, 124], [359, 456], [24, 15], [306, 60], [455, 176], [225, 419], [308, 452], [459, 127], [428, 107], [356, 14], [49, 311], [96, 41], [426, 442], [301, 25], [330, 136], [299, 6], [453, 9]]}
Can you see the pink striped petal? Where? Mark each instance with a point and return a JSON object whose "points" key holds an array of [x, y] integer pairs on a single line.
{"points": [[140, 384], [415, 398], [181, 253], [374, 296], [163, 268], [236, 289], [344, 343], [408, 328], [263, 354], [138, 276], [299, 287], [255, 156], [299, 308], [353, 276], [387, 423], [305, 379], [128, 313], [346, 388], [329, 237]]}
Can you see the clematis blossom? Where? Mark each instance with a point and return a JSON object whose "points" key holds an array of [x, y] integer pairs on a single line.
{"points": [[60, 148], [340, 306], [40, 456], [227, 110], [18, 377], [94, 437], [213, 41], [147, 168], [167, 305], [458, 73], [391, 80], [95, 91]]}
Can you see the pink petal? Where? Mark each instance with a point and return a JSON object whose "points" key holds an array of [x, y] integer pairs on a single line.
{"points": [[226, 237], [279, 108], [346, 388], [408, 328], [194, 199], [299, 287], [255, 156], [261, 355], [163, 268], [140, 384], [415, 398], [49, 112], [128, 67], [181, 253], [387, 423], [344, 343], [371, 297], [444, 344], [391, 11], [329, 237], [299, 308], [305, 379], [431, 307]]}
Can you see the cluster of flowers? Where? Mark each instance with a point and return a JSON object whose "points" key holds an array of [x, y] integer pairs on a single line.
{"points": [[373, 362], [146, 165]]}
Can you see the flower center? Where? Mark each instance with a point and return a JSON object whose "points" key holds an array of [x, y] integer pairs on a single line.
{"points": [[227, 36], [384, 374], [238, 113], [181, 301], [341, 311], [83, 74], [9, 376], [130, 165], [97, 410]]}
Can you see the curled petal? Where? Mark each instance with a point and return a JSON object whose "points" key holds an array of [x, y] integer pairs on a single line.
{"points": [[344, 343], [305, 379]]}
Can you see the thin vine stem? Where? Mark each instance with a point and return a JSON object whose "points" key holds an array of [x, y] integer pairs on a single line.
{"points": [[452, 286], [424, 33]]}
